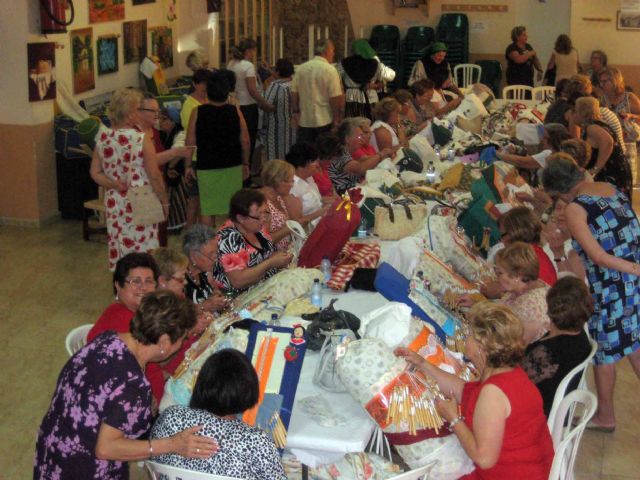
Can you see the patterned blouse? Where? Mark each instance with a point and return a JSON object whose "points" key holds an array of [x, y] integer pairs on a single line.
{"points": [[342, 181], [101, 383], [278, 219], [531, 309], [236, 253], [245, 452]]}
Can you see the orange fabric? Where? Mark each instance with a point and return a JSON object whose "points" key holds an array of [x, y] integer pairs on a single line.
{"points": [[378, 406], [263, 367]]}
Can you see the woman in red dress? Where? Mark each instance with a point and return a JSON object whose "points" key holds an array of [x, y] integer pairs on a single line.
{"points": [[498, 418]]}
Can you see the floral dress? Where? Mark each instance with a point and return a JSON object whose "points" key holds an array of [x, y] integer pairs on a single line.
{"points": [[531, 309], [121, 154], [236, 253], [101, 383], [278, 219], [615, 323]]}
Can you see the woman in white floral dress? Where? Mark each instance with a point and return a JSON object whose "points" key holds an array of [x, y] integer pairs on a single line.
{"points": [[124, 157]]}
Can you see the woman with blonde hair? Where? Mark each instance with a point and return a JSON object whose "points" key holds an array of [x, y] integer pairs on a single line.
{"points": [[607, 163], [277, 181], [387, 130], [625, 104], [125, 158], [498, 418]]}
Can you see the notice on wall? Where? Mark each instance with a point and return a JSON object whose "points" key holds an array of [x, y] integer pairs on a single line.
{"points": [[479, 27], [630, 5]]}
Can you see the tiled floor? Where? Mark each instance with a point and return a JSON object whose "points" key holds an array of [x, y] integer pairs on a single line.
{"points": [[52, 281]]}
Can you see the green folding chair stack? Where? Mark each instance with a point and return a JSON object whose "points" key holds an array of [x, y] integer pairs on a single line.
{"points": [[453, 30], [385, 40]]}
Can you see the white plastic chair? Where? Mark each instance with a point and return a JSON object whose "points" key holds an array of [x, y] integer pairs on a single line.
{"points": [[579, 370], [517, 92], [175, 473], [566, 439], [469, 72], [421, 473], [544, 94], [77, 338]]}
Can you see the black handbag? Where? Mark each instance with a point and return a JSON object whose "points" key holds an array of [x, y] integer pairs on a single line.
{"points": [[327, 320]]}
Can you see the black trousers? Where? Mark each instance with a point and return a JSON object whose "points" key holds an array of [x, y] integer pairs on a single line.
{"points": [[310, 134]]}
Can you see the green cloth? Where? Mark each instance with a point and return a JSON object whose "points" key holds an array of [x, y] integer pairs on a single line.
{"points": [[217, 187], [361, 47], [437, 47]]}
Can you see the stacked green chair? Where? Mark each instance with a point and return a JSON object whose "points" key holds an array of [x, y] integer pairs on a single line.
{"points": [[491, 75], [418, 38], [385, 40], [453, 30]]}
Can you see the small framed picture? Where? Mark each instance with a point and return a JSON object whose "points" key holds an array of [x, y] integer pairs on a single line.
{"points": [[628, 20], [107, 50]]}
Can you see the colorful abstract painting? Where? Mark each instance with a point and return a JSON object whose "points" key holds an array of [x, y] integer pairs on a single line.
{"points": [[105, 10], [162, 45], [82, 60], [41, 59], [107, 54], [135, 41]]}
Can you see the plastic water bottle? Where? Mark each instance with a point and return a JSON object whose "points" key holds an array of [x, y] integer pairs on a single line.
{"points": [[431, 173], [316, 293], [325, 268], [362, 228], [274, 320], [437, 150], [451, 154]]}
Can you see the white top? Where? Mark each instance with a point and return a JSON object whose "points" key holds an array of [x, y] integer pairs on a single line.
{"points": [[566, 64], [308, 192], [315, 82], [541, 157], [243, 69], [380, 124]]}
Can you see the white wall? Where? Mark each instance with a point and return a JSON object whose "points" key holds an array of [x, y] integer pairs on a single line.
{"points": [[21, 24]]}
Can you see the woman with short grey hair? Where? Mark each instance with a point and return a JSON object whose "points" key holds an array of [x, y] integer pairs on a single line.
{"points": [[200, 245], [606, 235]]}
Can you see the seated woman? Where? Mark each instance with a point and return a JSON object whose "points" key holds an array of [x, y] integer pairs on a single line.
{"points": [[135, 275], [102, 401], [329, 149], [554, 135], [607, 163], [246, 254], [226, 386], [548, 360], [277, 181], [517, 269], [345, 172], [304, 203], [387, 130], [498, 419], [367, 148]]}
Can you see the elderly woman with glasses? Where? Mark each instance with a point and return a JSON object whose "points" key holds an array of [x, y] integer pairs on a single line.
{"points": [[124, 157], [135, 275], [102, 401], [345, 171], [246, 253], [606, 234]]}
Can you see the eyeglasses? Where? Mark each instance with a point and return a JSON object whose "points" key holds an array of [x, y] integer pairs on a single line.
{"points": [[259, 218], [206, 256], [152, 110], [178, 278], [138, 282]]}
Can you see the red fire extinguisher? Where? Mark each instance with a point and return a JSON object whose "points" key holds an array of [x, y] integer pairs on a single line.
{"points": [[53, 17]]}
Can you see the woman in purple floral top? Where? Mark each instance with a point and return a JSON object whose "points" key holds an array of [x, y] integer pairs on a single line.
{"points": [[102, 401]]}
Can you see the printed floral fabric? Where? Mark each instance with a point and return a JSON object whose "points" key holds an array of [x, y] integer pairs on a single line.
{"points": [[101, 383], [531, 309], [279, 216], [236, 253], [120, 152]]}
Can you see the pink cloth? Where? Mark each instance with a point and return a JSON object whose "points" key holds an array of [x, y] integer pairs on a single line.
{"points": [[278, 219]]}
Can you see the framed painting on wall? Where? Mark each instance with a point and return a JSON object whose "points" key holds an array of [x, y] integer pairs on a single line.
{"points": [[142, 2], [135, 40], [107, 54], [41, 60], [628, 20], [162, 45], [82, 60], [105, 10]]}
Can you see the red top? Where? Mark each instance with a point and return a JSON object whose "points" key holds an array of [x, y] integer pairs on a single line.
{"points": [[116, 317], [323, 181], [527, 449], [365, 151], [547, 272]]}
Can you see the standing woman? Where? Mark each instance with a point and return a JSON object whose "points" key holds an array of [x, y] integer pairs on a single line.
{"points": [[606, 235], [223, 157], [625, 104], [249, 98], [521, 59], [125, 157], [565, 58], [102, 401], [281, 132]]}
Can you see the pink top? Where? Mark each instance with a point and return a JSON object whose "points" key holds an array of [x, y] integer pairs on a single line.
{"points": [[531, 309], [278, 219]]}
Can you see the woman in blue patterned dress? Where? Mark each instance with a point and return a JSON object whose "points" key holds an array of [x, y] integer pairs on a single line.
{"points": [[102, 401], [606, 235], [281, 132]]}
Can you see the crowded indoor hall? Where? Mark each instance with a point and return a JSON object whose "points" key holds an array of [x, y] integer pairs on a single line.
{"points": [[330, 239]]}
